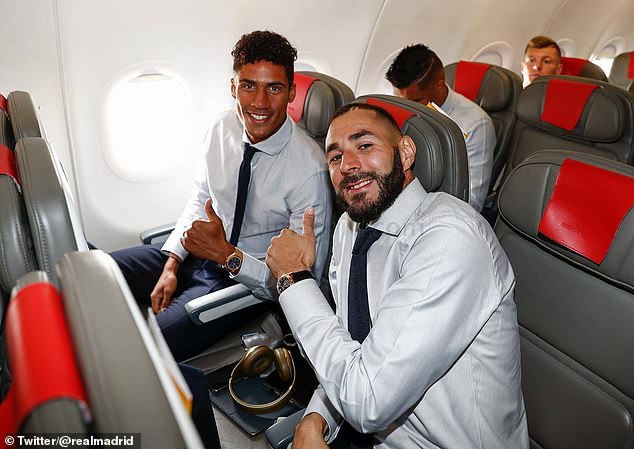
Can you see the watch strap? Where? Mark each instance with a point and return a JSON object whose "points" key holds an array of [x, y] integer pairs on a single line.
{"points": [[288, 279]]}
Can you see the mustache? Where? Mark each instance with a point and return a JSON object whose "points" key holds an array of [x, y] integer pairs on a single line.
{"points": [[356, 177]]}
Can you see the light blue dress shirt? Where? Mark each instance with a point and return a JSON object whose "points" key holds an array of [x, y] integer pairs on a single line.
{"points": [[480, 142], [440, 367], [288, 174]]}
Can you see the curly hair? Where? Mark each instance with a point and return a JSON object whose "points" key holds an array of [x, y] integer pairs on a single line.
{"points": [[265, 46], [414, 64]]}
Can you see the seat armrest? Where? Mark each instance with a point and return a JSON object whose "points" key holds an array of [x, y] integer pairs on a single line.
{"points": [[220, 303], [280, 434], [149, 235]]}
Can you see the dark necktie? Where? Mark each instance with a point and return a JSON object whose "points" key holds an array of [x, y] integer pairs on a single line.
{"points": [[359, 314], [358, 310], [243, 186]]}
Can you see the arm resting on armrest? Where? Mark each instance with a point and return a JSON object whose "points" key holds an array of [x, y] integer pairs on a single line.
{"points": [[220, 303]]}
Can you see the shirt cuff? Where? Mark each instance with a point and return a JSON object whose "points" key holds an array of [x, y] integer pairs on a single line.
{"points": [[173, 245], [320, 404], [300, 297]]}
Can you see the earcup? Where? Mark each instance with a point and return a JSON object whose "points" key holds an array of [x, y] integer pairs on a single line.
{"points": [[283, 364], [257, 360]]}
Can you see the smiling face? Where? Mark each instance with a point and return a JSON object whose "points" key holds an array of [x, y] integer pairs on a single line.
{"points": [[262, 94], [369, 163], [540, 61]]}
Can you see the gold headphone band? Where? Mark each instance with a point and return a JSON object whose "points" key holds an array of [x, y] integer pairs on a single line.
{"points": [[268, 407]]}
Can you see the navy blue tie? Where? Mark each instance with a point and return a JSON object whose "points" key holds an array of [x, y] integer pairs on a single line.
{"points": [[359, 315], [243, 186], [358, 310]]}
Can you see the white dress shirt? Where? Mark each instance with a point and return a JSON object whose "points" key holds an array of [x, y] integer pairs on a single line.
{"points": [[440, 367], [288, 174], [480, 142]]}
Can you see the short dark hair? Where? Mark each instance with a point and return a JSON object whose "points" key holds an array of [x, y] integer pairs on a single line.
{"points": [[265, 46], [542, 42], [414, 64], [382, 114]]}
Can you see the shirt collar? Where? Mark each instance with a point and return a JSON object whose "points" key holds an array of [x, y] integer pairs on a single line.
{"points": [[393, 219], [273, 144], [450, 101]]}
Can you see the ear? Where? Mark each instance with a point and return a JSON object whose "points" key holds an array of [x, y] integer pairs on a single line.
{"points": [[292, 92], [560, 67], [233, 88], [407, 151]]}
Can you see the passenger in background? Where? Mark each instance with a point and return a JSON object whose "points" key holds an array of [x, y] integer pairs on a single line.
{"points": [[542, 56], [260, 171], [417, 74], [423, 350]]}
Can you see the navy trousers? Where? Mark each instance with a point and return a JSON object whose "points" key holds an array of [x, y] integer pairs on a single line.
{"points": [[142, 266]]}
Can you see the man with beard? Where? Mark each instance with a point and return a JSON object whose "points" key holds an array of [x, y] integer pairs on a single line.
{"points": [[423, 350]]}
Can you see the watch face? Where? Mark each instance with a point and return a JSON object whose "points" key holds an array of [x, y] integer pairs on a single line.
{"points": [[283, 283], [234, 263]]}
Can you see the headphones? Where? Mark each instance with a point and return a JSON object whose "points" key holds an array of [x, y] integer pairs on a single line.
{"points": [[256, 360]]}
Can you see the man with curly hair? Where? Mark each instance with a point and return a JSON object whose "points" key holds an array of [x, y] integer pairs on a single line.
{"points": [[260, 171]]}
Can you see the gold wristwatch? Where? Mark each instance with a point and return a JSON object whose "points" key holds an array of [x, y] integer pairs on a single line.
{"points": [[233, 262]]}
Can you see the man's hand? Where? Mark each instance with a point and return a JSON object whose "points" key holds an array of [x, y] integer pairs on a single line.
{"points": [[161, 296], [309, 433], [290, 251], [206, 239]]}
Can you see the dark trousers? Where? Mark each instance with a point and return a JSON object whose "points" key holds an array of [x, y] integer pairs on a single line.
{"points": [[202, 413], [142, 266]]}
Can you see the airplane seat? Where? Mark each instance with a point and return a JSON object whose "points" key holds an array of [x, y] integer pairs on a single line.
{"points": [[622, 72], [23, 116], [496, 90], [441, 165], [46, 393], [569, 238], [6, 134], [317, 98], [54, 221], [128, 370], [17, 256], [441, 154], [583, 68], [576, 114]]}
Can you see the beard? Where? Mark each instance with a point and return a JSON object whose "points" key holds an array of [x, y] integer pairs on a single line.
{"points": [[390, 186]]}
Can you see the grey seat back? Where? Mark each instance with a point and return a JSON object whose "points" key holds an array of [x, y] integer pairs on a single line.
{"points": [[583, 68], [53, 218], [17, 256], [317, 98], [575, 311], [496, 90], [46, 393], [441, 154], [6, 134], [23, 116], [605, 126], [622, 71], [127, 383]]}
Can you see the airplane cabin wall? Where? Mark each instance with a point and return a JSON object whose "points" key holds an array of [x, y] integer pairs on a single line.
{"points": [[69, 53]]}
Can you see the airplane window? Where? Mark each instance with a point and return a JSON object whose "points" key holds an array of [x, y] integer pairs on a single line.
{"points": [[148, 125], [567, 47], [497, 53], [604, 56]]}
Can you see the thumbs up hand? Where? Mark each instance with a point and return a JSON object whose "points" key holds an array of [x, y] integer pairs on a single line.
{"points": [[206, 239], [290, 252]]}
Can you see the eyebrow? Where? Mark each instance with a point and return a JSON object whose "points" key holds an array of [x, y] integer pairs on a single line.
{"points": [[353, 137], [272, 83]]}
